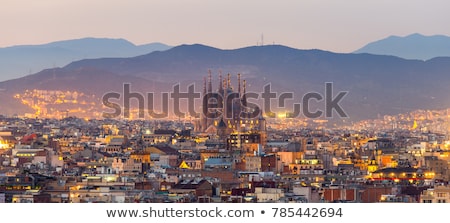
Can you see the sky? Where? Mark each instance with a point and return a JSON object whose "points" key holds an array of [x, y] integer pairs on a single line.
{"points": [[334, 25]]}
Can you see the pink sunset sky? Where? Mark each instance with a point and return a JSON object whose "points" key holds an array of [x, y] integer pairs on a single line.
{"points": [[335, 25]]}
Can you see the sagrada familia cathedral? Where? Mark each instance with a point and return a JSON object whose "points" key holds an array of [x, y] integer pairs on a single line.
{"points": [[226, 113]]}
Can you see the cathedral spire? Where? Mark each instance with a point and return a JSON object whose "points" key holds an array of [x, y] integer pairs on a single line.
{"points": [[220, 82], [204, 85], [244, 98], [209, 82], [239, 84]]}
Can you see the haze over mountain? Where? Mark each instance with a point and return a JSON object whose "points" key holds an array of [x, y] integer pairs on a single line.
{"points": [[414, 46], [376, 84], [18, 61]]}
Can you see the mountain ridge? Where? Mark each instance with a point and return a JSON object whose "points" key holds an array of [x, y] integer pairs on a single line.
{"points": [[376, 84], [413, 46], [21, 60]]}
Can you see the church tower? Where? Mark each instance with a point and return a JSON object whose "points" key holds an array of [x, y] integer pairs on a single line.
{"points": [[372, 166]]}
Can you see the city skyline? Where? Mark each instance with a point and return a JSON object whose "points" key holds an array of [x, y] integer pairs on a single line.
{"points": [[170, 102], [329, 25]]}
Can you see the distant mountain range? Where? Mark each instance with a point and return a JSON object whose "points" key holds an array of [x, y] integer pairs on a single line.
{"points": [[414, 46], [376, 84], [18, 61], [22, 60]]}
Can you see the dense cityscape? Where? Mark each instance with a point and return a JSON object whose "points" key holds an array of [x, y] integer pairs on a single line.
{"points": [[237, 159], [222, 111]]}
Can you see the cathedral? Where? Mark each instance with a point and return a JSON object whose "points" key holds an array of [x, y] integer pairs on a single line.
{"points": [[225, 111]]}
